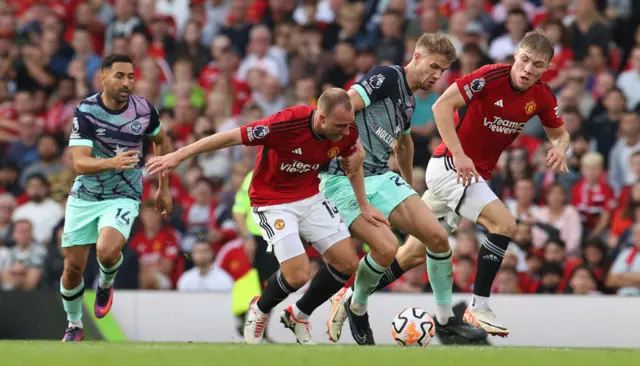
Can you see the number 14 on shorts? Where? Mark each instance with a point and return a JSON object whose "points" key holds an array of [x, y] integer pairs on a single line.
{"points": [[124, 216]]}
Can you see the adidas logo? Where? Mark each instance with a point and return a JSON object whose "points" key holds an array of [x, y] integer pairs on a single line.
{"points": [[499, 103], [297, 151], [491, 257]]}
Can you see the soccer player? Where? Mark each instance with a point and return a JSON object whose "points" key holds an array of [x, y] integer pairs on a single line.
{"points": [[106, 140], [478, 117], [384, 103], [286, 201]]}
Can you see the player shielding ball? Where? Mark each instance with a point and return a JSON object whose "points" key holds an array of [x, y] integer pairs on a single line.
{"points": [[106, 140], [384, 102], [294, 144], [478, 117]]}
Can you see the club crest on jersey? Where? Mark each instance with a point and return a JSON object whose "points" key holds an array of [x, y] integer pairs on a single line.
{"points": [[376, 81], [477, 84], [530, 107], [278, 224], [333, 152], [136, 127]]}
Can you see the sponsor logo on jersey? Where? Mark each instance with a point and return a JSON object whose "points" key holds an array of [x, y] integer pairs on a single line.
{"points": [[298, 167], [530, 107], [136, 127], [503, 126], [385, 136], [376, 81], [477, 84], [278, 224], [333, 152]]}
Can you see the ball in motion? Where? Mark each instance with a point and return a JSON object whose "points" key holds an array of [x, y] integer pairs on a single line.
{"points": [[413, 327]]}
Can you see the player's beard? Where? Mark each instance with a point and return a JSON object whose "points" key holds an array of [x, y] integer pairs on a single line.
{"points": [[119, 96]]}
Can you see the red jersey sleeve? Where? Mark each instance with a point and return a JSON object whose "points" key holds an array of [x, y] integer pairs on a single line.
{"points": [[257, 133], [549, 114], [353, 139], [471, 86]]}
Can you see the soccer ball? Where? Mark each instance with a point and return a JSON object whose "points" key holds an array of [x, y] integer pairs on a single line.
{"points": [[413, 327]]}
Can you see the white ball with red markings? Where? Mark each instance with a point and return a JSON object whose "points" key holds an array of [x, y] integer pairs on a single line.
{"points": [[413, 327]]}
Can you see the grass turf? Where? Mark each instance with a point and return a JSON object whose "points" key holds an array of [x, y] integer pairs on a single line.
{"points": [[50, 353]]}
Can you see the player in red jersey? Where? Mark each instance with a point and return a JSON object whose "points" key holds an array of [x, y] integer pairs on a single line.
{"points": [[295, 144], [478, 117]]}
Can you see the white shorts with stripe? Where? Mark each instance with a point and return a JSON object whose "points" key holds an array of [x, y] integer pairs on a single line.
{"points": [[315, 219], [449, 200]]}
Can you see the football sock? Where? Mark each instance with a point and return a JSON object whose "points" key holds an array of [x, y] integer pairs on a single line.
{"points": [[277, 289], [367, 279], [490, 258], [391, 274], [440, 269], [108, 275], [324, 284], [72, 302]]}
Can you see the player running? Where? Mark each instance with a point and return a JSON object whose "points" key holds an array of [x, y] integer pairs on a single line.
{"points": [[478, 117], [286, 200], [106, 140], [384, 104]]}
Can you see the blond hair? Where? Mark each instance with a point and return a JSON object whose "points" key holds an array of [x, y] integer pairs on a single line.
{"points": [[592, 159], [538, 42], [437, 43]]}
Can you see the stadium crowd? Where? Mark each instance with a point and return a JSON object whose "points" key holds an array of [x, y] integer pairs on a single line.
{"points": [[212, 65]]}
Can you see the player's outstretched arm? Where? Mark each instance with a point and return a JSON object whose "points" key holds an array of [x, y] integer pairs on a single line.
{"points": [[165, 164], [557, 156], [161, 147], [84, 163], [443, 111], [404, 156]]}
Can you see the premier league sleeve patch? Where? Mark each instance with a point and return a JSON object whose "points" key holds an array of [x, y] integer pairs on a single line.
{"points": [[477, 85], [260, 131]]}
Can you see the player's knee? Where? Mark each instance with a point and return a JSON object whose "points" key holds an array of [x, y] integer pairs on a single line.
{"points": [[296, 276], [386, 254], [347, 266], [73, 268], [108, 255], [439, 241], [506, 227]]}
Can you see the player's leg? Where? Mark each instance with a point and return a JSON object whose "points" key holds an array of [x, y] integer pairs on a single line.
{"points": [[501, 225], [427, 232], [114, 228], [80, 231], [280, 229], [322, 226]]}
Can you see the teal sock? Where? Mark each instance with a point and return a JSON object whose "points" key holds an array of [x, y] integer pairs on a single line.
{"points": [[108, 275], [72, 302], [368, 275], [440, 269]]}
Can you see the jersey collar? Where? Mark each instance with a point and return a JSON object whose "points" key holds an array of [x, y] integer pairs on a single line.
{"points": [[114, 112], [313, 132]]}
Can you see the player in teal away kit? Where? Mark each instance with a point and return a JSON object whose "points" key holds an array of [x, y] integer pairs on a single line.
{"points": [[106, 144], [384, 103]]}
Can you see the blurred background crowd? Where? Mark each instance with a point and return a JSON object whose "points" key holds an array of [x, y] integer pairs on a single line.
{"points": [[212, 65]]}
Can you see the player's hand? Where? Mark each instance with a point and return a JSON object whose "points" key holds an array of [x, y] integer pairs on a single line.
{"points": [[164, 164], [373, 215], [557, 161], [465, 169], [125, 160], [354, 161], [164, 202]]}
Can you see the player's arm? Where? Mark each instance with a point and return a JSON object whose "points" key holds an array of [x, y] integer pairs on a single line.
{"points": [[557, 134], [161, 144], [404, 156], [372, 87]]}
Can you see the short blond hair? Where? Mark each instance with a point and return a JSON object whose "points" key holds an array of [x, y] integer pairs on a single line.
{"points": [[539, 42], [333, 97], [592, 159], [437, 43]]}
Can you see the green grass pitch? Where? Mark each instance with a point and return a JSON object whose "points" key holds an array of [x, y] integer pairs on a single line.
{"points": [[50, 353]]}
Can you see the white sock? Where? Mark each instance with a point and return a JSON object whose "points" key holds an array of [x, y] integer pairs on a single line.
{"points": [[77, 324], [443, 313], [299, 315], [479, 301], [358, 309]]}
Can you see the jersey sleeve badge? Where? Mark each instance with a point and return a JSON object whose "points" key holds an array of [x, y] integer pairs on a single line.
{"points": [[477, 84], [257, 132], [376, 81]]}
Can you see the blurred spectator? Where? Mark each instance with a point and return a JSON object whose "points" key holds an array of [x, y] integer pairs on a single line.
{"points": [[625, 271], [49, 163], [43, 212], [604, 125], [620, 155], [623, 218], [21, 264], [157, 248], [588, 28], [522, 206], [562, 216], [507, 281], [24, 151], [582, 282], [204, 276], [53, 265], [7, 206], [463, 274], [125, 23], [629, 81], [506, 45]]}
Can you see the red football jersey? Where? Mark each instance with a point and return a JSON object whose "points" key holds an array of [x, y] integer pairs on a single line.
{"points": [[496, 113], [591, 201], [291, 155]]}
